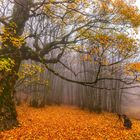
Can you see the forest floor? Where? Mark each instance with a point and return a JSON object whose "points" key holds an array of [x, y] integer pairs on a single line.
{"points": [[68, 123]]}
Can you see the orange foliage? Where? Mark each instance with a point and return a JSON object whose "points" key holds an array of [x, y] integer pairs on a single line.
{"points": [[125, 9], [68, 123], [86, 57], [133, 67], [129, 12]]}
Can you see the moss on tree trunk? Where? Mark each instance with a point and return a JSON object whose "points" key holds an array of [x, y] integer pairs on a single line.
{"points": [[8, 115]]}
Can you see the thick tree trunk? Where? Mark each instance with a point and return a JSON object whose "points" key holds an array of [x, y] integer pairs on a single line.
{"points": [[8, 115]]}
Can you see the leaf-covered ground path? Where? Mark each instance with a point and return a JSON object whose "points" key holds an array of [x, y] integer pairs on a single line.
{"points": [[68, 123]]}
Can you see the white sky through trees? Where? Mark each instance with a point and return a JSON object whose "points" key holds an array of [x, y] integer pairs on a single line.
{"points": [[138, 3]]}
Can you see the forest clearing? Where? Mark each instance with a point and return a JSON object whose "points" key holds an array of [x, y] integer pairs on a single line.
{"points": [[69, 69], [68, 123]]}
